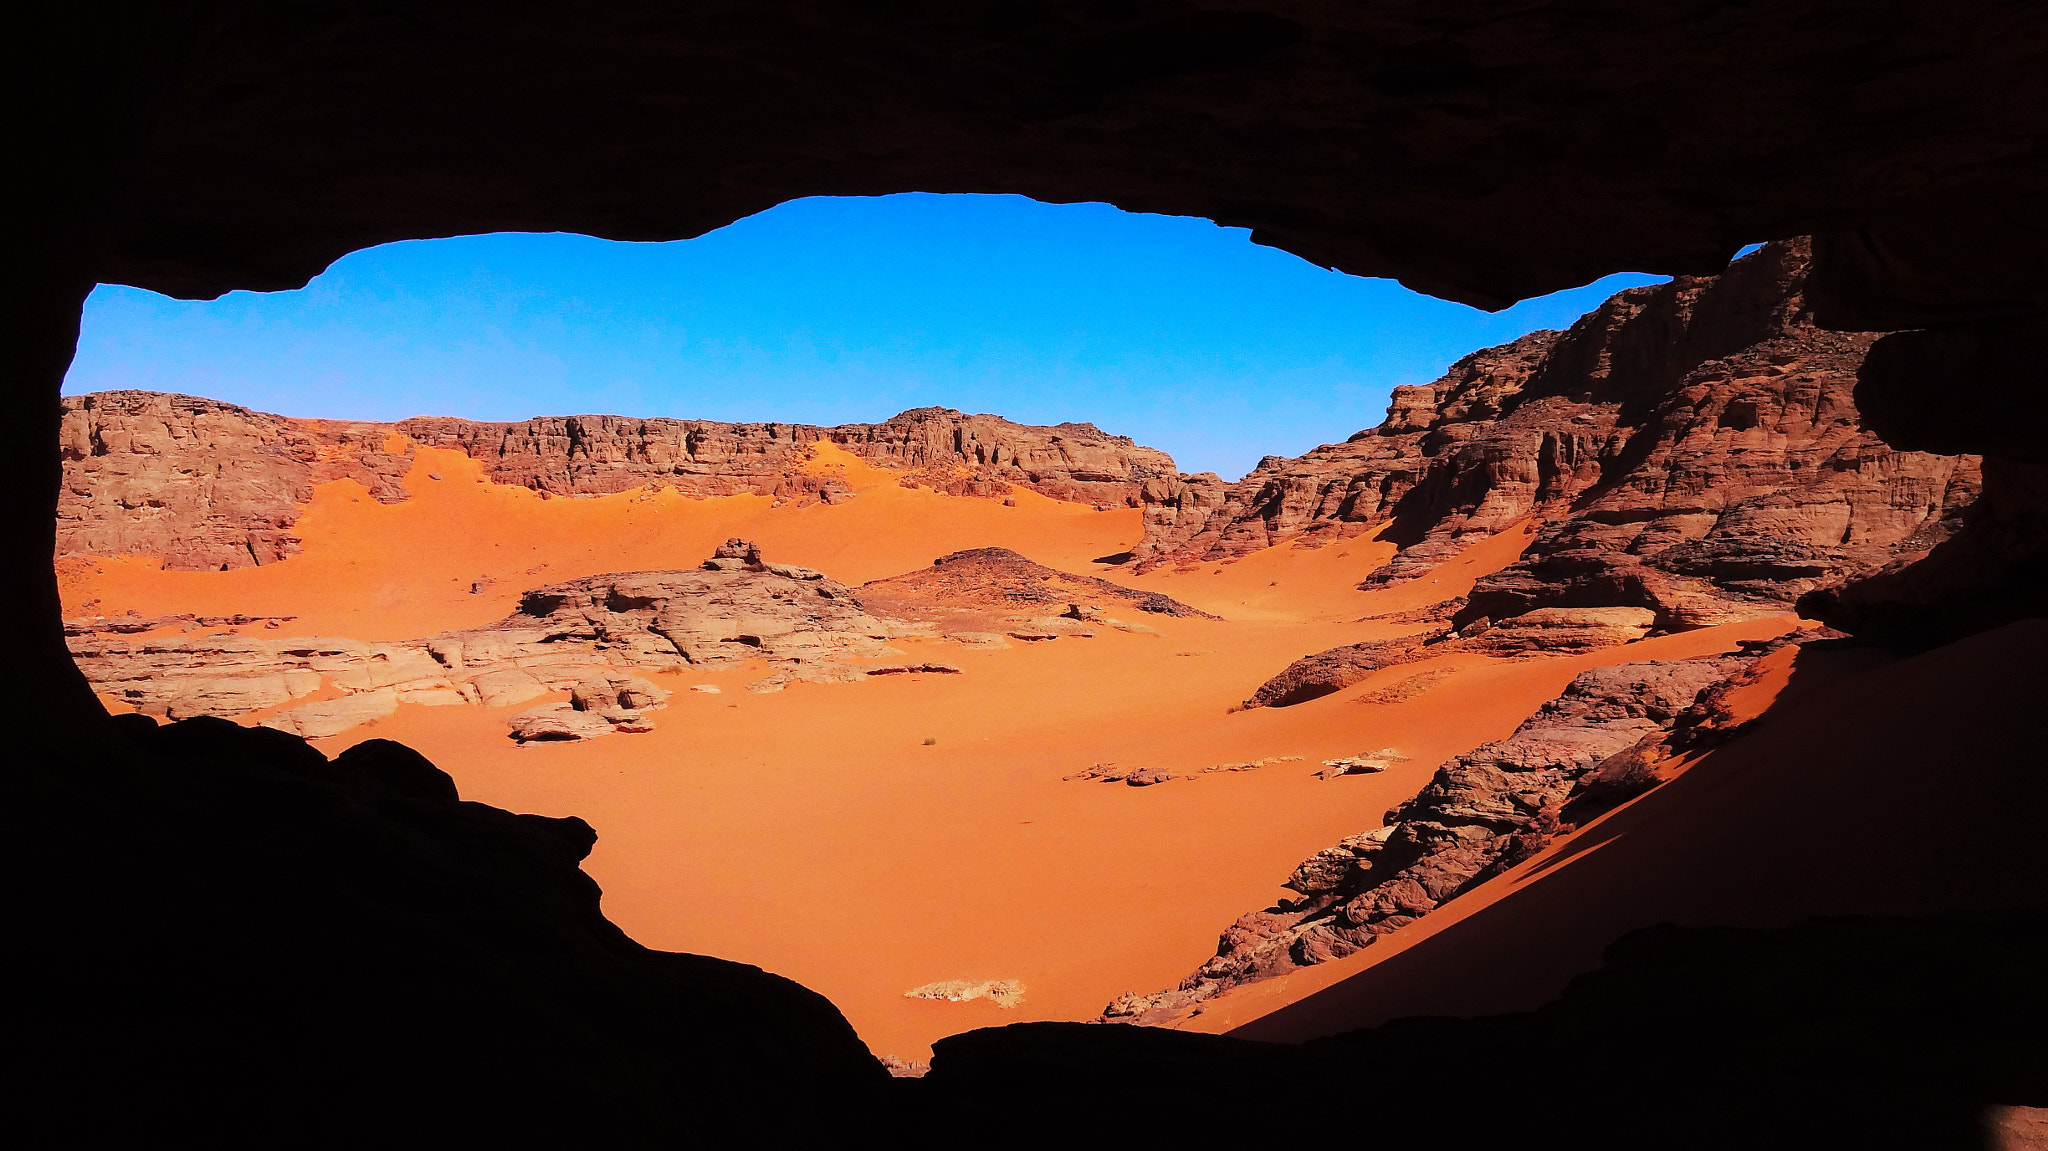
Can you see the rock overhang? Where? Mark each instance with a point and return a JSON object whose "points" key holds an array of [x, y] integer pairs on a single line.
{"points": [[1479, 152]]}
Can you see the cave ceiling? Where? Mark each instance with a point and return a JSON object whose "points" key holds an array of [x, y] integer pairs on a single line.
{"points": [[1483, 152]]}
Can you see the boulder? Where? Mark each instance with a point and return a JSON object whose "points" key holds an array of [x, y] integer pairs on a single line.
{"points": [[558, 722]]}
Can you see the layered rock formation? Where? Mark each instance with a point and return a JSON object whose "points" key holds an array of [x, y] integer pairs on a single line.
{"points": [[204, 484], [1692, 449], [1992, 571], [588, 637], [1483, 812]]}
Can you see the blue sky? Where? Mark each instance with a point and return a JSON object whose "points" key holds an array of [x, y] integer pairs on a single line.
{"points": [[1182, 334]]}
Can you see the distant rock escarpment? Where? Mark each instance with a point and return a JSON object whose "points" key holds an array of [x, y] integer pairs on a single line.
{"points": [[205, 485], [1693, 449], [950, 450]]}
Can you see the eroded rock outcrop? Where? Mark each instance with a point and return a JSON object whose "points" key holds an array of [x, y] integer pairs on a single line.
{"points": [[1330, 671], [1483, 812], [593, 637], [1692, 449], [589, 637], [204, 484]]}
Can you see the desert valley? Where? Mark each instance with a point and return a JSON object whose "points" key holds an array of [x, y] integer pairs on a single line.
{"points": [[962, 723]]}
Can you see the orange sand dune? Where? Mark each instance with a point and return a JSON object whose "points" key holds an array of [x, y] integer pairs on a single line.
{"points": [[815, 833], [1873, 785], [1297, 581]]}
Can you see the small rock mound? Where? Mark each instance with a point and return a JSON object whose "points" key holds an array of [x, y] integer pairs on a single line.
{"points": [[996, 590]]}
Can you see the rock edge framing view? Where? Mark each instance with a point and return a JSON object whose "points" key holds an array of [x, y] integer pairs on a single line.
{"points": [[182, 889]]}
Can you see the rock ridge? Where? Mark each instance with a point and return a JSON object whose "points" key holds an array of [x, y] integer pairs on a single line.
{"points": [[204, 484]]}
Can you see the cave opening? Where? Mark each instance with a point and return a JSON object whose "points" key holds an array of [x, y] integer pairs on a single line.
{"points": [[230, 931]]}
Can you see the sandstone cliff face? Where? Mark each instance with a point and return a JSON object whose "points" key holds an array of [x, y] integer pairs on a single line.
{"points": [[951, 450], [200, 483], [1692, 448], [204, 484], [1077, 462]]}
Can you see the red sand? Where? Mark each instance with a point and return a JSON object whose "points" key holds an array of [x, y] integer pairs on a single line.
{"points": [[814, 833]]}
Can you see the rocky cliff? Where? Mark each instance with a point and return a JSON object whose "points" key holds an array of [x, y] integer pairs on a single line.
{"points": [[203, 484], [1693, 449]]}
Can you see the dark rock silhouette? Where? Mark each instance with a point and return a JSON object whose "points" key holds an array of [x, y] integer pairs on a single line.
{"points": [[1864, 1032], [232, 933]]}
